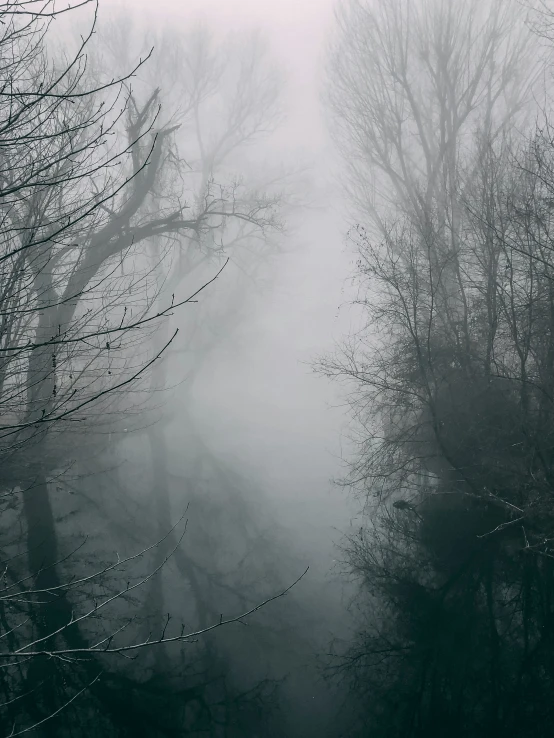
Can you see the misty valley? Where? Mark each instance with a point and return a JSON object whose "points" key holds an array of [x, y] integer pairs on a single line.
{"points": [[277, 369]]}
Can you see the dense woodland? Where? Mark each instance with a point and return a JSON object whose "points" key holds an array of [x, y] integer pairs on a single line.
{"points": [[147, 589], [442, 113]]}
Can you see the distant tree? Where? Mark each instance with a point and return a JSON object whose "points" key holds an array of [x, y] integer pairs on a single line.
{"points": [[225, 96], [408, 87]]}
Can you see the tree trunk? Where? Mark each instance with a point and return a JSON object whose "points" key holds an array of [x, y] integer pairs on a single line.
{"points": [[162, 504]]}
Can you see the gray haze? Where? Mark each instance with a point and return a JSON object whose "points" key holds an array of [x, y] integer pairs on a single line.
{"points": [[259, 402], [276, 368]]}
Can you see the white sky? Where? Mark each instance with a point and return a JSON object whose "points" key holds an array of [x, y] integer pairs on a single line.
{"points": [[296, 29]]}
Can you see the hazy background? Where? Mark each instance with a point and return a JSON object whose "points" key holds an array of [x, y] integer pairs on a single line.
{"points": [[254, 410], [208, 470], [259, 403]]}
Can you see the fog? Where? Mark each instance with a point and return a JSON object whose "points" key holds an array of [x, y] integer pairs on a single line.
{"points": [[258, 401], [256, 407], [276, 361]]}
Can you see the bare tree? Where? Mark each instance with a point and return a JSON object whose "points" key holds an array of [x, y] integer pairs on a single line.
{"points": [[430, 97], [88, 176], [449, 376], [408, 87]]}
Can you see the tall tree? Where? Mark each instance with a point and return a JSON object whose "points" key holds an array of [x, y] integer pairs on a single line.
{"points": [[409, 84], [88, 175], [448, 377]]}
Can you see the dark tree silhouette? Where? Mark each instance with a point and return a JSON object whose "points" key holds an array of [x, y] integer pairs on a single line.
{"points": [[450, 377]]}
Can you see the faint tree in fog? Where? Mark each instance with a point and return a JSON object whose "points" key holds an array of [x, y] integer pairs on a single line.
{"points": [[450, 378], [437, 397], [230, 97], [226, 96], [408, 86]]}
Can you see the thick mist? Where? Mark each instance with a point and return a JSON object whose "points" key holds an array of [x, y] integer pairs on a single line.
{"points": [[257, 436], [257, 402], [276, 369]]}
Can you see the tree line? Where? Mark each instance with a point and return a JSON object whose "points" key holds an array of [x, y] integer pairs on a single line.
{"points": [[442, 113]]}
